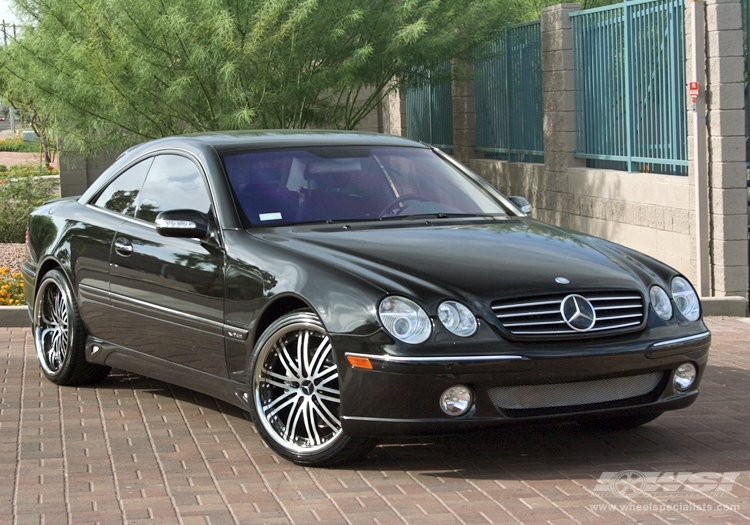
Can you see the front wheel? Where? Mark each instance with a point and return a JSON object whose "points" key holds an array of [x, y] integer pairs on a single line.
{"points": [[59, 335], [295, 403]]}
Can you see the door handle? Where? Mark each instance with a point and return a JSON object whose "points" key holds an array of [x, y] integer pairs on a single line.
{"points": [[123, 246]]}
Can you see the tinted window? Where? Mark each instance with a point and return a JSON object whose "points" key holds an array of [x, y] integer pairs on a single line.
{"points": [[350, 183], [121, 195], [173, 183]]}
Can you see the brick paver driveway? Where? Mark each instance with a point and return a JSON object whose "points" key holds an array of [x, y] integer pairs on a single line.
{"points": [[134, 450]]}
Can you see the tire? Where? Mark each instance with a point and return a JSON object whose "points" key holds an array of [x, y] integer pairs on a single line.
{"points": [[59, 334], [294, 385], [613, 424]]}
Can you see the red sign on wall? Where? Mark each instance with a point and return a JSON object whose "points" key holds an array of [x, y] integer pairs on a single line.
{"points": [[694, 89]]}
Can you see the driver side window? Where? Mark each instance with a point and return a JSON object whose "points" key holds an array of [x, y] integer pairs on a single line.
{"points": [[173, 183]]}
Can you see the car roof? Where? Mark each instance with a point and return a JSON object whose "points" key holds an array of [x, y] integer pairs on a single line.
{"points": [[263, 139]]}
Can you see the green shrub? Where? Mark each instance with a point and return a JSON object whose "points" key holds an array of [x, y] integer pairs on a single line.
{"points": [[18, 144], [26, 170], [18, 197]]}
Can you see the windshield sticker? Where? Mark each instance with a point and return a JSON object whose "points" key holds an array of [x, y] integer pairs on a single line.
{"points": [[270, 216]]}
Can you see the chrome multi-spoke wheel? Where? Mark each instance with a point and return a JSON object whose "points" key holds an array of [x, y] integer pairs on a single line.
{"points": [[296, 389], [52, 331], [59, 336], [296, 397]]}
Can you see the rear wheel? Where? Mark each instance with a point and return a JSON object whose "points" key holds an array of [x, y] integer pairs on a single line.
{"points": [[59, 335], [295, 393]]}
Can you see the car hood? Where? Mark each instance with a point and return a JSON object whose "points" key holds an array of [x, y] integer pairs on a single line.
{"points": [[486, 259]]}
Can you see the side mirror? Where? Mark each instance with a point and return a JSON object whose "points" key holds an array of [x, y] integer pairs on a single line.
{"points": [[187, 224], [521, 203]]}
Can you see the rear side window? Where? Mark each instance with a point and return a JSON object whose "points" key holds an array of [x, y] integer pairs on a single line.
{"points": [[121, 195], [173, 183]]}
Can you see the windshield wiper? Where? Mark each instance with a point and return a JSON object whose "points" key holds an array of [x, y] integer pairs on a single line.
{"points": [[440, 215], [414, 217]]}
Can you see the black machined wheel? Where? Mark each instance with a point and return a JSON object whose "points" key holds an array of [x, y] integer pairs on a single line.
{"points": [[59, 336], [295, 393]]}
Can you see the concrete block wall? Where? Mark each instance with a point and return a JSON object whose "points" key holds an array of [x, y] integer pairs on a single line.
{"points": [[391, 109], [652, 213], [648, 212], [464, 118], [77, 173]]}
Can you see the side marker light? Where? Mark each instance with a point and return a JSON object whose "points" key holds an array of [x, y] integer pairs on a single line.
{"points": [[359, 362]]}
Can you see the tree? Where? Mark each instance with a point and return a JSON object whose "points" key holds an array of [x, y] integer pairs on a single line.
{"points": [[123, 71], [39, 122], [529, 10]]}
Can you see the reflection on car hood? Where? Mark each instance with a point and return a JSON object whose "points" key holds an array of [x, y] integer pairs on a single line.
{"points": [[487, 259]]}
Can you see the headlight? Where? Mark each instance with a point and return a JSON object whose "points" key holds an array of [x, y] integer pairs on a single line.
{"points": [[686, 299], [405, 320], [661, 303], [457, 318]]}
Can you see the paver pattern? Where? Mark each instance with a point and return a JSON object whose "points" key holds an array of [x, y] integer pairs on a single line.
{"points": [[134, 450]]}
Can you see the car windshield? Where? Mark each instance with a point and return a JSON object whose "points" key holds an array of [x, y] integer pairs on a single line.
{"points": [[351, 183]]}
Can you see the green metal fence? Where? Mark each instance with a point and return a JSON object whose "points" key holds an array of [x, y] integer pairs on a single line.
{"points": [[746, 30], [429, 114], [630, 91], [508, 96]]}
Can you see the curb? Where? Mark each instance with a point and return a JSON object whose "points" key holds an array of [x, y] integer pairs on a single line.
{"points": [[724, 306], [14, 316]]}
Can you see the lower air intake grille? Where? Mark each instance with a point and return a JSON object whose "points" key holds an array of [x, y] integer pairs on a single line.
{"points": [[573, 394]]}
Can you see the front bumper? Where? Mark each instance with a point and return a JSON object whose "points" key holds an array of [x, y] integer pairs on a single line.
{"points": [[400, 395]]}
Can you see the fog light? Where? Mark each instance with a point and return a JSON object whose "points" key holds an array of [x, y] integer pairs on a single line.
{"points": [[684, 376], [456, 400]]}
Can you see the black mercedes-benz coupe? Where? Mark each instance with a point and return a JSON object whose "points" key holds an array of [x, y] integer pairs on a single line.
{"points": [[344, 287]]}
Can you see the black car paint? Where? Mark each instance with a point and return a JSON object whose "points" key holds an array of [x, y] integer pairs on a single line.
{"points": [[341, 271]]}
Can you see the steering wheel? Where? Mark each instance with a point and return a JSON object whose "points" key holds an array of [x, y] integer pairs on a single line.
{"points": [[391, 205]]}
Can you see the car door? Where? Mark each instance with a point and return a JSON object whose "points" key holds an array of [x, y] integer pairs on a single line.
{"points": [[91, 250], [170, 291]]}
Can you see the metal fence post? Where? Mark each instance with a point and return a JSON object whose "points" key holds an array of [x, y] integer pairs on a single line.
{"points": [[508, 93], [629, 82], [629, 124], [508, 87], [746, 22]]}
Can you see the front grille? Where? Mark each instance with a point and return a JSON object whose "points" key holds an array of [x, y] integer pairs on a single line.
{"points": [[573, 394], [542, 316]]}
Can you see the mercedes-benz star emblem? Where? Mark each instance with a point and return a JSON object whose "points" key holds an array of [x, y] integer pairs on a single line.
{"points": [[578, 313]]}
